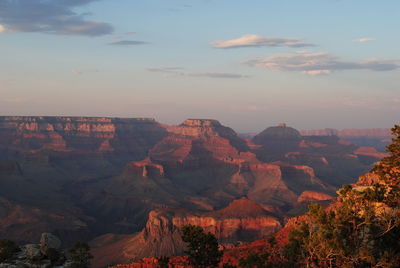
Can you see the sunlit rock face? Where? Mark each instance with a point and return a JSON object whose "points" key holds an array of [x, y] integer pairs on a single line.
{"points": [[79, 134], [85, 177], [335, 161], [242, 220]]}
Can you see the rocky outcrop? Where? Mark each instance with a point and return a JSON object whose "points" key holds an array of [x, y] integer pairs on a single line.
{"points": [[369, 151], [311, 196], [49, 242], [87, 134], [378, 138], [45, 254], [278, 139], [83, 177], [162, 237]]}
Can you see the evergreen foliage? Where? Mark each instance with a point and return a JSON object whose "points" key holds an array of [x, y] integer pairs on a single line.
{"points": [[202, 247], [7, 249], [163, 262], [80, 255], [363, 230]]}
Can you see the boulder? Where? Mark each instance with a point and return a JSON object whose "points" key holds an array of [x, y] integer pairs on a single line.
{"points": [[33, 252], [49, 241]]}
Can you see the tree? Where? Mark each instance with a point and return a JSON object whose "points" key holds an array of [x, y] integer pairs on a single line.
{"points": [[202, 247], [389, 167], [163, 262], [7, 249], [259, 260], [80, 255], [362, 229]]}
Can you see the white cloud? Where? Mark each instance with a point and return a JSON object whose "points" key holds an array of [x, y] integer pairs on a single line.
{"points": [[252, 40], [321, 63], [178, 71], [363, 40], [317, 72]]}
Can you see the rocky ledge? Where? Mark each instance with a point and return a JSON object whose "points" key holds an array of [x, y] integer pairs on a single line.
{"points": [[43, 255]]}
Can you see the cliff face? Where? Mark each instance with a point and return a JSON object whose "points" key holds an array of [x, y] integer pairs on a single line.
{"points": [[79, 134], [335, 161], [45, 161], [372, 133], [91, 176], [377, 138], [161, 235]]}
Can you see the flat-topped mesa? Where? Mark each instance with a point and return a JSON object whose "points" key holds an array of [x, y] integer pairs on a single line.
{"points": [[66, 134], [201, 123], [200, 134], [200, 127]]}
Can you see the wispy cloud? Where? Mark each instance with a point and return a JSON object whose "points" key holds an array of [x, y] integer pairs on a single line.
{"points": [[112, 37], [178, 71], [119, 36], [80, 72], [252, 40], [363, 40], [53, 17], [128, 43], [321, 63]]}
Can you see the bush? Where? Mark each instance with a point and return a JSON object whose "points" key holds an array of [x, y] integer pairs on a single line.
{"points": [[80, 255], [163, 262], [7, 249]]}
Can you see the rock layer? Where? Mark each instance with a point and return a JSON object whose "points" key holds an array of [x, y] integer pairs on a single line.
{"points": [[161, 235]]}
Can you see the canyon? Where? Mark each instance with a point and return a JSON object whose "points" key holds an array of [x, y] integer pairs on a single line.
{"points": [[128, 185]]}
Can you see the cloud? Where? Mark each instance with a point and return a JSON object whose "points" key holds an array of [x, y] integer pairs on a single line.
{"points": [[2, 29], [252, 40], [128, 43], [321, 63], [119, 36], [317, 72], [52, 17], [178, 71], [363, 40], [80, 72]]}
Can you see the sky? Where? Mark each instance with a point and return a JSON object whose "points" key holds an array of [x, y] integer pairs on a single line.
{"points": [[248, 63]]}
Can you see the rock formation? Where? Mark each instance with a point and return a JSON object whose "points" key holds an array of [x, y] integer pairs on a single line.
{"points": [[242, 220], [80, 177], [378, 138], [45, 254]]}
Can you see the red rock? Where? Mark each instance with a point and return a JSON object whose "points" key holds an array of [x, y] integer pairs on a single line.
{"points": [[161, 236], [311, 196]]}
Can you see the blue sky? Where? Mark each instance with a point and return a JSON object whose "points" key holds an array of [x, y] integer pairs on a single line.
{"points": [[250, 64]]}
